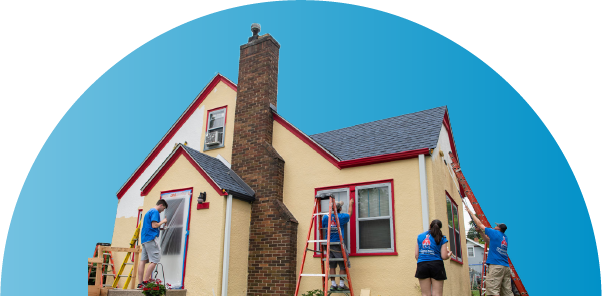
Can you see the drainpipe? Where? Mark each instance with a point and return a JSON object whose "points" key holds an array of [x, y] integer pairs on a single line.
{"points": [[226, 259], [423, 192]]}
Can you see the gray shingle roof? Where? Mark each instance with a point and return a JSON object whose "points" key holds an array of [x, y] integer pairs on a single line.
{"points": [[221, 174], [396, 134]]}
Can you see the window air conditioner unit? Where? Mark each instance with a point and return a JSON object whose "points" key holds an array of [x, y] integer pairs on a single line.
{"points": [[213, 138]]}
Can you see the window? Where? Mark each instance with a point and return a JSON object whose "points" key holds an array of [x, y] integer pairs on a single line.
{"points": [[371, 230], [216, 127], [470, 251], [339, 195], [455, 242], [374, 218]]}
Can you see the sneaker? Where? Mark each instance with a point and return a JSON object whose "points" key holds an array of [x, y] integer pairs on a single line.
{"points": [[342, 288], [142, 285], [334, 288]]}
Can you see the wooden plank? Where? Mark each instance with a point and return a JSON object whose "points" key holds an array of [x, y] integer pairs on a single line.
{"points": [[94, 260], [93, 291], [118, 249], [98, 283], [135, 271]]}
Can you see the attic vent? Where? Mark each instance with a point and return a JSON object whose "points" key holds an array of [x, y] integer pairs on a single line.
{"points": [[214, 138]]}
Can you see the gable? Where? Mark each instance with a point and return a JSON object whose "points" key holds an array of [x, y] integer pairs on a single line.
{"points": [[191, 113]]}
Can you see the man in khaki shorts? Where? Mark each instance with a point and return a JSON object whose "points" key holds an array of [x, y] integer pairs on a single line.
{"points": [[149, 237], [499, 276]]}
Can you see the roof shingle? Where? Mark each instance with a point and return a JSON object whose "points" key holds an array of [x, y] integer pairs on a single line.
{"points": [[396, 134]]}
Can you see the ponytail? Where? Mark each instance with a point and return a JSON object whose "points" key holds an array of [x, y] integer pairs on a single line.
{"points": [[435, 230]]}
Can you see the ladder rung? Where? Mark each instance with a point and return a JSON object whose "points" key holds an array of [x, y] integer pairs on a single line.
{"points": [[337, 275], [317, 241], [311, 274], [320, 214], [107, 285], [106, 254], [332, 243], [109, 274], [107, 264], [333, 259]]}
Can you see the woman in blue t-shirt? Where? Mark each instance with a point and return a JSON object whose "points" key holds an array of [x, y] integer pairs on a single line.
{"points": [[431, 250]]}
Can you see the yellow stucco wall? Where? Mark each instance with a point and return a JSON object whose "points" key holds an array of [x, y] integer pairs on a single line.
{"points": [[221, 95], [306, 170], [206, 238], [439, 181], [239, 247]]}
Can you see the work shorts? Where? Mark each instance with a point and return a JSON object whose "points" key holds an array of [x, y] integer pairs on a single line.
{"points": [[151, 251], [499, 280], [335, 252], [431, 269]]}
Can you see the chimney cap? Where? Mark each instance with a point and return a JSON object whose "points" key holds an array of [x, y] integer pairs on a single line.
{"points": [[255, 28]]}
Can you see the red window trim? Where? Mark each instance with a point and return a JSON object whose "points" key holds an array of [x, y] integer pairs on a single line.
{"points": [[454, 228], [187, 226], [352, 226], [207, 126], [174, 129]]}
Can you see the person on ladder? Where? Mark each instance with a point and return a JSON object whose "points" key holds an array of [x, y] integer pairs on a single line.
{"points": [[149, 237], [336, 250], [430, 252], [499, 275]]}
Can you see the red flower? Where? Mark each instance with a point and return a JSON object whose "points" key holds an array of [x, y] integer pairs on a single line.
{"points": [[157, 288], [145, 289]]}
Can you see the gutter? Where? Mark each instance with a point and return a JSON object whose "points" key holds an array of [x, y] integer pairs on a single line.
{"points": [[226, 260], [423, 192]]}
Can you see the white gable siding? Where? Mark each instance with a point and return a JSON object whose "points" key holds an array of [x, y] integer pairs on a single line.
{"points": [[191, 132]]}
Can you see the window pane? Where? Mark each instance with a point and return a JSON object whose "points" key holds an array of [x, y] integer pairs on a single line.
{"points": [[450, 217], [216, 119], [456, 223], [375, 234], [459, 246], [452, 241], [373, 202], [470, 252], [338, 196]]}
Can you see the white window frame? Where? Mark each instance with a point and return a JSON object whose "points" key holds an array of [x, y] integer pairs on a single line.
{"points": [[348, 232], [358, 219], [470, 248], [208, 130]]}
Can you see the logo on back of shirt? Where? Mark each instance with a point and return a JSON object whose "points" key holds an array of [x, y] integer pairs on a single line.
{"points": [[504, 243], [426, 243]]}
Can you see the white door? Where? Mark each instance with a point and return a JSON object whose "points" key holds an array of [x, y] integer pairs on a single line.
{"points": [[174, 237]]}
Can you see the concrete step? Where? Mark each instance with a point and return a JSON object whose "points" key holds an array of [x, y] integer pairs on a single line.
{"points": [[112, 292]]}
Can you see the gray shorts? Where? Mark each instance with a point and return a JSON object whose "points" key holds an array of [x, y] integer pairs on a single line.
{"points": [[335, 252], [151, 251]]}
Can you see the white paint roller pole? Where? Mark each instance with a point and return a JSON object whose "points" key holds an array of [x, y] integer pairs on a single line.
{"points": [[226, 260], [423, 192]]}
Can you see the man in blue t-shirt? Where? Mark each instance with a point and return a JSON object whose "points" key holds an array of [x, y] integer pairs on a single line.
{"points": [[336, 250], [499, 276], [149, 237]]}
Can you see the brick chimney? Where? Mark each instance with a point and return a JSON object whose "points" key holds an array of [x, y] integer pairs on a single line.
{"points": [[273, 233]]}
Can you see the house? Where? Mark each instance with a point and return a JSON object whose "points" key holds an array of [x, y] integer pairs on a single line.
{"points": [[474, 253], [260, 174]]}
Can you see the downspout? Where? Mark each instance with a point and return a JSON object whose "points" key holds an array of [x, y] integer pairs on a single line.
{"points": [[226, 260], [423, 192]]}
